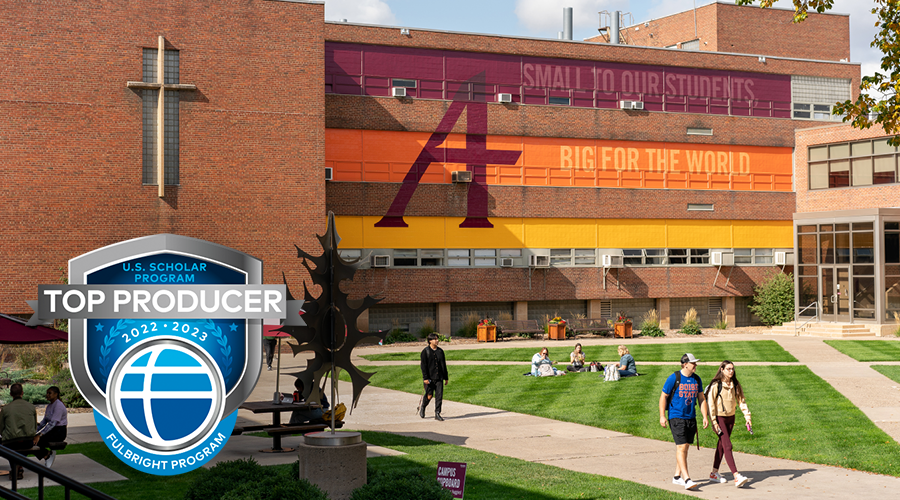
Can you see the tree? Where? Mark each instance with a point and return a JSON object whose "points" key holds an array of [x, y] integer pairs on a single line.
{"points": [[867, 110]]}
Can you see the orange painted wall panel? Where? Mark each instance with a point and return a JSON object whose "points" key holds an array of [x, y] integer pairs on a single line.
{"points": [[386, 156]]}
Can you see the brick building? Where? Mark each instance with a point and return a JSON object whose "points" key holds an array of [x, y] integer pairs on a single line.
{"points": [[478, 173]]}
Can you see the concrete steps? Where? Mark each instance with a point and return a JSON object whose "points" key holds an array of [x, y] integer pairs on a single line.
{"points": [[830, 330]]}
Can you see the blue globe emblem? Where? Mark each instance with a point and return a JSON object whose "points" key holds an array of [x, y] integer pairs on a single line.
{"points": [[166, 394]]}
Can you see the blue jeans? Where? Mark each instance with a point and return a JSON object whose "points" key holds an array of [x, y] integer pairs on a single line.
{"points": [[626, 373]]}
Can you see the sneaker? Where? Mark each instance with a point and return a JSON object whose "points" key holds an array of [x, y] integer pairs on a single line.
{"points": [[715, 477], [678, 481], [50, 458], [438, 417], [740, 480], [270, 368], [689, 485]]}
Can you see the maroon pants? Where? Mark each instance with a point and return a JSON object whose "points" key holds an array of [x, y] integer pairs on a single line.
{"points": [[723, 449]]}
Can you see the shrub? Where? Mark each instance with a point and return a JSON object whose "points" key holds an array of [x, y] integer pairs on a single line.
{"points": [[224, 477], [427, 327], [32, 393], [277, 487], [721, 320], [774, 299], [690, 325], [53, 357], [399, 335], [409, 484], [444, 338], [27, 357], [68, 393], [650, 324], [470, 325]]}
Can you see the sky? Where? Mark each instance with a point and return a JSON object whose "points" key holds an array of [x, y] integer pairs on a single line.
{"points": [[543, 18]]}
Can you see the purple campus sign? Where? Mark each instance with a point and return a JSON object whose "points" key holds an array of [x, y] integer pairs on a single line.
{"points": [[439, 74], [452, 476]]}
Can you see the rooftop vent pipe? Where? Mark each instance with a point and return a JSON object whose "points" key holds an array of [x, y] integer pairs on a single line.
{"points": [[567, 23], [614, 30]]}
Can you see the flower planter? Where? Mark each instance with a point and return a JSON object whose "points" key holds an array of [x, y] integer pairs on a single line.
{"points": [[623, 330], [487, 333], [557, 331]]}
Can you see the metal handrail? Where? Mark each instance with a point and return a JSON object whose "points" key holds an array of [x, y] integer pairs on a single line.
{"points": [[16, 459], [816, 317]]}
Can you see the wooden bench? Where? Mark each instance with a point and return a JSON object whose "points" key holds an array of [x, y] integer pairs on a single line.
{"points": [[512, 327], [592, 325]]}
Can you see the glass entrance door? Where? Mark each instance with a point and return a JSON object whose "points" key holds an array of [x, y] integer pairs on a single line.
{"points": [[836, 294]]}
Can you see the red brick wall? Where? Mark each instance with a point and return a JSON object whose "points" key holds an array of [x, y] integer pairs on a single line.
{"points": [[723, 27], [449, 200], [674, 29], [252, 145], [512, 284], [822, 200]]}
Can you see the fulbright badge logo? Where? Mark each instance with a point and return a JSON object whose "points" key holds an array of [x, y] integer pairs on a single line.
{"points": [[164, 342]]}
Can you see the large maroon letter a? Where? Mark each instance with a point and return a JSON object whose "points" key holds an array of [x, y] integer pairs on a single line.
{"points": [[476, 156]]}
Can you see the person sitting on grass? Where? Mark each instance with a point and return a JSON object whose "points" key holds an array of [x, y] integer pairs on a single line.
{"points": [[541, 365], [626, 365], [576, 359]]}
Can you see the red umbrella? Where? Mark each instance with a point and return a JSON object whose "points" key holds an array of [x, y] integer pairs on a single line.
{"points": [[14, 331]]}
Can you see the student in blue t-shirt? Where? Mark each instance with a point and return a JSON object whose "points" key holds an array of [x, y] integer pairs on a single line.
{"points": [[682, 414]]}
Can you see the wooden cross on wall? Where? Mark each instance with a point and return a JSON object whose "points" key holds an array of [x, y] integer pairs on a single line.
{"points": [[161, 110]]}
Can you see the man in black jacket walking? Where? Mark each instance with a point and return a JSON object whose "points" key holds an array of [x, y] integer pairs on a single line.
{"points": [[434, 371]]}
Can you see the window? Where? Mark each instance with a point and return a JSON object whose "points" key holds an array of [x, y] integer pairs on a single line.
{"points": [[150, 101], [743, 255], [699, 131], [699, 256], [350, 254], [813, 97], [458, 258], [633, 256], [485, 257], [700, 207], [431, 258], [560, 100], [678, 256], [561, 257], [691, 45], [585, 256], [402, 82], [405, 258], [655, 256], [859, 163]]}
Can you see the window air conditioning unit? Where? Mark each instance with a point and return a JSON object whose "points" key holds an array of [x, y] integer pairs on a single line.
{"points": [[506, 262], [381, 261], [328, 174], [721, 258], [398, 91], [540, 261], [504, 97], [461, 176], [631, 105], [784, 258], [612, 261]]}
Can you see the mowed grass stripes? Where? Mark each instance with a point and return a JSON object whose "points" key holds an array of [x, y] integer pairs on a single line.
{"points": [[739, 351], [796, 414], [868, 350]]}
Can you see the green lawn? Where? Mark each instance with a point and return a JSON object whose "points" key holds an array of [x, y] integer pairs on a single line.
{"points": [[488, 476], [796, 415], [890, 371], [754, 350], [868, 350]]}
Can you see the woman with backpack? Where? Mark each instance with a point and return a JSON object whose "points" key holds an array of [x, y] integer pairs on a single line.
{"points": [[725, 394]]}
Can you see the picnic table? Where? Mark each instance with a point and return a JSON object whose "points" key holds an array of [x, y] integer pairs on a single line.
{"points": [[277, 429]]}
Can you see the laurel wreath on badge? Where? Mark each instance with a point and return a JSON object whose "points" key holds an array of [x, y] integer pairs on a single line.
{"points": [[225, 349], [108, 341]]}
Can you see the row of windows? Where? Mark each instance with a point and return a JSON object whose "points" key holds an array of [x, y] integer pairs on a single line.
{"points": [[558, 257], [859, 163]]}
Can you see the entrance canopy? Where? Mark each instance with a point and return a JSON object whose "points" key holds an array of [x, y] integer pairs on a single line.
{"points": [[14, 331]]}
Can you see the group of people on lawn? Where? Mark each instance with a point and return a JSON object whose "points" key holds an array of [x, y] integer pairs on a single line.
{"points": [[21, 431], [681, 394]]}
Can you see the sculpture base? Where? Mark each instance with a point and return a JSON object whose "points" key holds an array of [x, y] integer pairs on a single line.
{"points": [[335, 462]]}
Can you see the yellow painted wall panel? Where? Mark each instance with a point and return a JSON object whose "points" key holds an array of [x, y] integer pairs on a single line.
{"points": [[351, 231], [631, 233], [699, 233], [560, 233], [763, 234], [506, 233]]}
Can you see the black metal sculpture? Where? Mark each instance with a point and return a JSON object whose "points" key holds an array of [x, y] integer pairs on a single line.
{"points": [[330, 331]]}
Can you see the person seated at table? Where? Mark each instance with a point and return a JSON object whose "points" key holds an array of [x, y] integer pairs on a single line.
{"points": [[541, 365], [312, 415], [18, 422], [53, 428], [576, 360], [626, 365]]}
